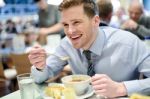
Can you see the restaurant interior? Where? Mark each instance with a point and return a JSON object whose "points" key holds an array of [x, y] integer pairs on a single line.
{"points": [[19, 31]]}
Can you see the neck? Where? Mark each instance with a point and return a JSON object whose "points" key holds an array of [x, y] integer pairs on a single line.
{"points": [[87, 47]]}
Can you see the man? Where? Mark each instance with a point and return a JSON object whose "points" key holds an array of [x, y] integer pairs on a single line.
{"points": [[105, 11], [117, 56], [139, 24], [48, 20]]}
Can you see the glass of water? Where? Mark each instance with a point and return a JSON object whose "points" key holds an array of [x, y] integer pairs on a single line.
{"points": [[26, 86]]}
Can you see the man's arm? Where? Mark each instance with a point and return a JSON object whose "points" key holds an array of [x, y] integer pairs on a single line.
{"points": [[142, 30], [53, 29], [41, 75], [138, 86], [138, 28], [142, 62], [45, 67]]}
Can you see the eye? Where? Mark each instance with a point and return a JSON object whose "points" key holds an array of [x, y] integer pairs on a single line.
{"points": [[65, 25], [76, 22]]}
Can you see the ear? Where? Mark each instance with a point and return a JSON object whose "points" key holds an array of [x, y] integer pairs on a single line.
{"points": [[96, 20], [109, 17]]}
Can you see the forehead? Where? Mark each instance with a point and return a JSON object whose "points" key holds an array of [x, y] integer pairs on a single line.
{"points": [[75, 12], [135, 8]]}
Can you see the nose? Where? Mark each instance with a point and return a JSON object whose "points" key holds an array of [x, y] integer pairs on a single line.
{"points": [[133, 15], [71, 30]]}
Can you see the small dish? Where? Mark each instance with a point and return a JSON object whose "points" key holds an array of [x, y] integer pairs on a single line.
{"points": [[89, 93]]}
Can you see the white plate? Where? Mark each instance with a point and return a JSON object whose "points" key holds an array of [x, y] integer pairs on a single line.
{"points": [[89, 93]]}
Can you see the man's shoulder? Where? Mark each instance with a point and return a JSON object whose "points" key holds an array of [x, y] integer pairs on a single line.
{"points": [[144, 18], [110, 31], [118, 35]]}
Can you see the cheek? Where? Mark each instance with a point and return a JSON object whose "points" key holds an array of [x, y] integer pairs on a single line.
{"points": [[87, 36], [65, 31]]}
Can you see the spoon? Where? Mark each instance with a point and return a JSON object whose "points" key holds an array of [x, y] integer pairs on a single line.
{"points": [[63, 58]]}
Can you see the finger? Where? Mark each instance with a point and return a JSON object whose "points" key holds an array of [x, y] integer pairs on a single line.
{"points": [[34, 56], [98, 77], [100, 87], [37, 51], [40, 65], [100, 92], [39, 59], [99, 81], [36, 59], [37, 46]]}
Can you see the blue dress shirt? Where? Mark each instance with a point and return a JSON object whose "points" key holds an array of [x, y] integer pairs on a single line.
{"points": [[116, 53]]}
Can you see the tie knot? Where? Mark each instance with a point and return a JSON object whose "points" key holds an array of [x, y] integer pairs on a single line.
{"points": [[87, 54]]}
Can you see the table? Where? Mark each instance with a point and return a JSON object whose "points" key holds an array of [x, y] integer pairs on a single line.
{"points": [[16, 94]]}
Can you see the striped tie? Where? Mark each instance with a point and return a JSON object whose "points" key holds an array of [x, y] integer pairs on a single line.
{"points": [[90, 71]]}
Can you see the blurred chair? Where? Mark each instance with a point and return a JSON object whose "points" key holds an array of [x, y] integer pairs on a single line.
{"points": [[21, 62], [2, 76], [7, 80], [7, 73]]}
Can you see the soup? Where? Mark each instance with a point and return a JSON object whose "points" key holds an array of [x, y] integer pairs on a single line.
{"points": [[76, 80]]}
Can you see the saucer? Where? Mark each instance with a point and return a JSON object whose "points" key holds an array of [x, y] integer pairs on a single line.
{"points": [[89, 93]]}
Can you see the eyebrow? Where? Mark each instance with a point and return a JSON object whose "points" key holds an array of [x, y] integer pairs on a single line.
{"points": [[72, 20], [63, 23]]}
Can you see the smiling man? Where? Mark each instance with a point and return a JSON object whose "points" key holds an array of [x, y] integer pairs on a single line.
{"points": [[117, 57]]}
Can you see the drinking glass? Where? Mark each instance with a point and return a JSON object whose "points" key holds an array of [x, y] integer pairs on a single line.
{"points": [[26, 86]]}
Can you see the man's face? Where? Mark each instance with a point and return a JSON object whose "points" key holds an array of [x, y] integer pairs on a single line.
{"points": [[135, 12], [42, 4], [78, 27]]}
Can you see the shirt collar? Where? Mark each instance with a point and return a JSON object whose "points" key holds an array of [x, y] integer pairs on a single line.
{"points": [[98, 44]]}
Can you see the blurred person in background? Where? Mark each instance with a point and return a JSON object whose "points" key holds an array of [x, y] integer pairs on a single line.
{"points": [[105, 11], [118, 17], [11, 27], [48, 20], [117, 57], [139, 24], [1, 27]]}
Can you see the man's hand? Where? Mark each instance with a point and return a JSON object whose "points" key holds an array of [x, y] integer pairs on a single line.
{"points": [[104, 86], [129, 24], [37, 57]]}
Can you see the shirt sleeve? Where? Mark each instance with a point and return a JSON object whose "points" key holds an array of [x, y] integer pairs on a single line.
{"points": [[142, 63], [142, 30], [138, 86], [41, 76], [54, 65]]}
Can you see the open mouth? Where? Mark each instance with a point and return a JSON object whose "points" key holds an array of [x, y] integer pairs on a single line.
{"points": [[75, 38]]}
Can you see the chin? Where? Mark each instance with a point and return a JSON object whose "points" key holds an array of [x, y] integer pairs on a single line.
{"points": [[76, 46]]}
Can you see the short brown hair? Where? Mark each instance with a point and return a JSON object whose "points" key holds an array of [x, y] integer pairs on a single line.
{"points": [[105, 8], [89, 6]]}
